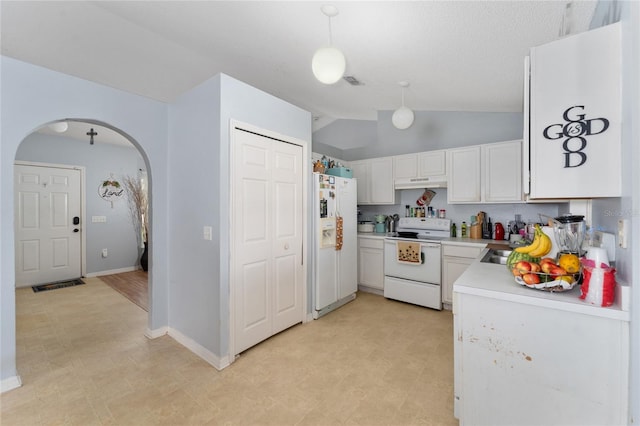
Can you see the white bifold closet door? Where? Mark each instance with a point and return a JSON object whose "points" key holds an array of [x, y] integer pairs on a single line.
{"points": [[267, 237]]}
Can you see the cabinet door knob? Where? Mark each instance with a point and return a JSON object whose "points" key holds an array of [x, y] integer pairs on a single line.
{"points": [[286, 246]]}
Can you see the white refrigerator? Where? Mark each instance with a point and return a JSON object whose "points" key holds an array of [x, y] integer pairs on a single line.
{"points": [[335, 250]]}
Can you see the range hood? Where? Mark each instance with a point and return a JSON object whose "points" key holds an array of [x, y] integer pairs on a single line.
{"points": [[421, 182]]}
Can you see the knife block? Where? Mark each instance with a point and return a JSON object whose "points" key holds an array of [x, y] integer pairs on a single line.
{"points": [[475, 232]]}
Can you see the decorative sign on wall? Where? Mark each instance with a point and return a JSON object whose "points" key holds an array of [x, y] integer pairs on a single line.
{"points": [[111, 190], [574, 132]]}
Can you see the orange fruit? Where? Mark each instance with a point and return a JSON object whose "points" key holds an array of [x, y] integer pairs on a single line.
{"points": [[569, 262]]}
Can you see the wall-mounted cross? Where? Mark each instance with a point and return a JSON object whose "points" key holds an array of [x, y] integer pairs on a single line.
{"points": [[91, 133]]}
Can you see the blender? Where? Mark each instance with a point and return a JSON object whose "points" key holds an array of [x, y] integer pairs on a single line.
{"points": [[569, 232]]}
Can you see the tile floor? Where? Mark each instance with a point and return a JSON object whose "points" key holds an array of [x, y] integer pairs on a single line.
{"points": [[84, 360]]}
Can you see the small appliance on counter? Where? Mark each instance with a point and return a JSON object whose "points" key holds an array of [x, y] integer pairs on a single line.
{"points": [[365, 226], [381, 223], [569, 231]]}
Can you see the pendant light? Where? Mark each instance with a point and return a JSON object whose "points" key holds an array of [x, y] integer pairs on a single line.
{"points": [[59, 126], [328, 63], [402, 117]]}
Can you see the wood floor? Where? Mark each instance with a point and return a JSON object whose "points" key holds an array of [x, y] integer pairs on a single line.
{"points": [[132, 285]]}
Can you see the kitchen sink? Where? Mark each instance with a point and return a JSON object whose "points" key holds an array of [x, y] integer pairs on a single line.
{"points": [[498, 257]]}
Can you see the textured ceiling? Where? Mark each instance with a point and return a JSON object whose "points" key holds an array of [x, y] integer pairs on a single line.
{"points": [[457, 55]]}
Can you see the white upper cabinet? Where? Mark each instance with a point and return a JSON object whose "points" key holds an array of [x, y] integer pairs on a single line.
{"points": [[360, 171], [422, 164], [464, 175], [490, 173], [375, 180], [502, 177], [573, 142], [432, 163], [405, 166]]}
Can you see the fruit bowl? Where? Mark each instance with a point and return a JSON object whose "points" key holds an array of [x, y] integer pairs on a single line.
{"points": [[549, 274], [551, 283]]}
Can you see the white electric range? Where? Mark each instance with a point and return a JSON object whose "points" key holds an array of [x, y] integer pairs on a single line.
{"points": [[412, 261]]}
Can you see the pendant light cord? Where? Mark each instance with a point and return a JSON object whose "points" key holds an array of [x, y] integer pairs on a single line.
{"points": [[330, 35]]}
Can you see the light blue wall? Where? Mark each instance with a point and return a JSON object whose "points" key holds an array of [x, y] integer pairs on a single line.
{"points": [[431, 130], [32, 96], [199, 187], [100, 161], [606, 212]]}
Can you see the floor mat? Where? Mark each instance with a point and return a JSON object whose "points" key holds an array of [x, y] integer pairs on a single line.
{"points": [[53, 286]]}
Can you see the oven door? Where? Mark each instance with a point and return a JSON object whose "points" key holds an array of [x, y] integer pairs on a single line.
{"points": [[428, 271]]}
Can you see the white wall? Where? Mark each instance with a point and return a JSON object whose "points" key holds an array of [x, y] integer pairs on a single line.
{"points": [[100, 160], [32, 96], [606, 212], [199, 191]]}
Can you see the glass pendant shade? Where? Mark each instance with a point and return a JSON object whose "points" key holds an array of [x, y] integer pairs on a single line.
{"points": [[59, 126], [328, 65], [402, 118]]}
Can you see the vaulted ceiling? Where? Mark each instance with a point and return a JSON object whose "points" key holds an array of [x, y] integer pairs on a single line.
{"points": [[456, 55]]}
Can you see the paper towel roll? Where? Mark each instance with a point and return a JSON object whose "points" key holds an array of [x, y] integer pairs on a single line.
{"points": [[548, 230]]}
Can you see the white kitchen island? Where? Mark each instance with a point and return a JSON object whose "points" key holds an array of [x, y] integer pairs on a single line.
{"points": [[528, 357]]}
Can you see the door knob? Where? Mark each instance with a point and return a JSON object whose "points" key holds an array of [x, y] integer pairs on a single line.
{"points": [[76, 230]]}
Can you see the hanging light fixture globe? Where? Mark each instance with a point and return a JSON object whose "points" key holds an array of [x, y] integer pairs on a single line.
{"points": [[59, 126], [403, 117], [328, 65]]}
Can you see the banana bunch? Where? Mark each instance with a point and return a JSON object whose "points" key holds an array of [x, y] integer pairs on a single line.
{"points": [[540, 246]]}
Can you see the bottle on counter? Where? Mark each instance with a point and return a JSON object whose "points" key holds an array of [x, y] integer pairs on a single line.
{"points": [[463, 230], [407, 211], [454, 233], [499, 234]]}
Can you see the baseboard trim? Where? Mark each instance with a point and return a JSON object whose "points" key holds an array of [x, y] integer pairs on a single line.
{"points": [[370, 290], [158, 332], [217, 362], [112, 271], [10, 383]]}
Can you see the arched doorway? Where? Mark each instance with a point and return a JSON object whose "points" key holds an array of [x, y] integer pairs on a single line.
{"points": [[106, 154]]}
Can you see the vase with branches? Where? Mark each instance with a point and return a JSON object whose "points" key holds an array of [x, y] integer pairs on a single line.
{"points": [[138, 211]]}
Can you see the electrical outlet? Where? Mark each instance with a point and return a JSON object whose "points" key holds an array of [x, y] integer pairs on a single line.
{"points": [[105, 253], [208, 233], [623, 233]]}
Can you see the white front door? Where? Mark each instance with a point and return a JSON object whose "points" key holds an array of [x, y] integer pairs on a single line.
{"points": [[47, 241], [267, 237]]}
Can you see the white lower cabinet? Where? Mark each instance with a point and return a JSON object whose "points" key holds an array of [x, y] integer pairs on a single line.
{"points": [[371, 264], [524, 363], [455, 260]]}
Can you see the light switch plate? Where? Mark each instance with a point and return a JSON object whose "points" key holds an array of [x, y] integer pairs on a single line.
{"points": [[623, 233], [208, 233]]}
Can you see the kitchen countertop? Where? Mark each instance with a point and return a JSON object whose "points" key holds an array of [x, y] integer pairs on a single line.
{"points": [[495, 281]]}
